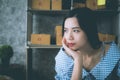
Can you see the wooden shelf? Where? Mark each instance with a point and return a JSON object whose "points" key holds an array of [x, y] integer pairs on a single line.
{"points": [[106, 12], [49, 12], [63, 12], [42, 46]]}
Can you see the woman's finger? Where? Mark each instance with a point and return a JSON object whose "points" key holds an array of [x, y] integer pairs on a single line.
{"points": [[67, 50]]}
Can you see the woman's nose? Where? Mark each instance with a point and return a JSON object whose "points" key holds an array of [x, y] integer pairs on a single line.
{"points": [[70, 36]]}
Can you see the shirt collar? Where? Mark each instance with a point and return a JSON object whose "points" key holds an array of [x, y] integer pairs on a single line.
{"points": [[106, 65]]}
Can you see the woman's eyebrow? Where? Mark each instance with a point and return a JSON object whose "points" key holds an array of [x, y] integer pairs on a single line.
{"points": [[76, 28], [73, 28]]}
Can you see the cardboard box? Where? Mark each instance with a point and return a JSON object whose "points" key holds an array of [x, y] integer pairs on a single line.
{"points": [[58, 32], [56, 4], [110, 37], [95, 4], [102, 37], [106, 37], [43, 39], [41, 4]]}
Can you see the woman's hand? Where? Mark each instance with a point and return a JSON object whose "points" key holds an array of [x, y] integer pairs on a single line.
{"points": [[78, 61], [74, 54]]}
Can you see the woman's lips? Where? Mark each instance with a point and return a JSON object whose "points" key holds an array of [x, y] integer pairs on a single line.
{"points": [[71, 44]]}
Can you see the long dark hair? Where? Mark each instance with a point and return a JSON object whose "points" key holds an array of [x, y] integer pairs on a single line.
{"points": [[87, 21]]}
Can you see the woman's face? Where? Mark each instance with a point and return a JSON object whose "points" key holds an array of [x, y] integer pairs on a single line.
{"points": [[74, 35]]}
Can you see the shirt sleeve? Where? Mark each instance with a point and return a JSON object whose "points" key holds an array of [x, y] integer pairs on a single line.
{"points": [[63, 66]]}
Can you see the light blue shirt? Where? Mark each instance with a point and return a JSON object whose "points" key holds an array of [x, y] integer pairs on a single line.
{"points": [[64, 65]]}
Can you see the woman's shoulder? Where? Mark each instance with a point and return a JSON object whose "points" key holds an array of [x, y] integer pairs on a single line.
{"points": [[62, 58], [62, 55], [63, 62]]}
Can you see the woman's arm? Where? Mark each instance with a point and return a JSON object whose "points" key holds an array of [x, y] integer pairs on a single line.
{"points": [[63, 66], [77, 70], [78, 61]]}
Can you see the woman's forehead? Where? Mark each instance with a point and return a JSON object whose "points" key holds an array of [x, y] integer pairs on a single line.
{"points": [[71, 23]]}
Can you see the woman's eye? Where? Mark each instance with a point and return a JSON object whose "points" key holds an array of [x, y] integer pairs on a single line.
{"points": [[76, 30], [65, 30]]}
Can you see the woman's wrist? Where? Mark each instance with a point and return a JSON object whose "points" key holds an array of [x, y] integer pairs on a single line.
{"points": [[78, 61]]}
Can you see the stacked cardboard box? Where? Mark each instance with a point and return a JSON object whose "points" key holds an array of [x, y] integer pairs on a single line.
{"points": [[47, 4], [41, 4], [43, 39], [106, 37], [56, 4], [58, 32], [95, 4]]}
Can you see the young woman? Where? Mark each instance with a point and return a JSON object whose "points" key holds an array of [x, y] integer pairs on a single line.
{"points": [[83, 56]]}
